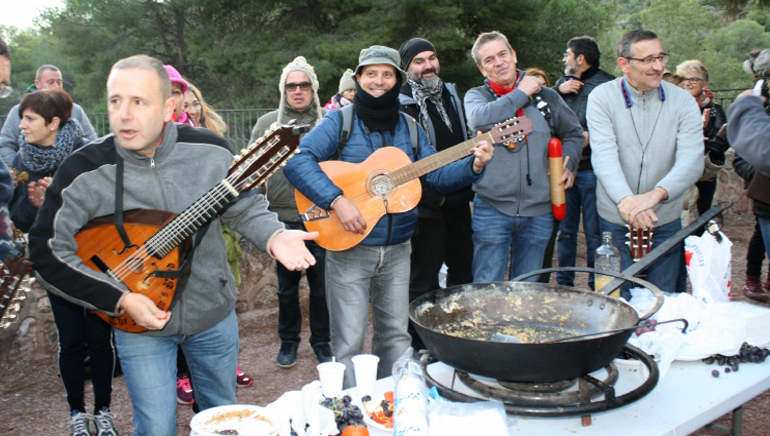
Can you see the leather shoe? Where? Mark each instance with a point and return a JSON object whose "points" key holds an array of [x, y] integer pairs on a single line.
{"points": [[753, 289], [287, 357]]}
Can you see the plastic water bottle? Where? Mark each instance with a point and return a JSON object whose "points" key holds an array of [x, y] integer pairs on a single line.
{"points": [[607, 258]]}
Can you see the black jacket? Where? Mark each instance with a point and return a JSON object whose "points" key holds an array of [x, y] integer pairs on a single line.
{"points": [[591, 78]]}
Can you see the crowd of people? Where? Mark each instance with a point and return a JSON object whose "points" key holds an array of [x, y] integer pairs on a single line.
{"points": [[641, 152]]}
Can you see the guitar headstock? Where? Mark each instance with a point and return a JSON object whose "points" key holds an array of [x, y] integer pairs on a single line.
{"points": [[639, 242], [264, 156], [511, 131], [13, 287]]}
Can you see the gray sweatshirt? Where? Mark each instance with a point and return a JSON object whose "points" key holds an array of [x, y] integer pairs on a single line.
{"points": [[653, 143], [9, 138], [748, 129], [505, 184]]}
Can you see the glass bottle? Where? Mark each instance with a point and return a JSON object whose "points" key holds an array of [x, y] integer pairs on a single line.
{"points": [[607, 258]]}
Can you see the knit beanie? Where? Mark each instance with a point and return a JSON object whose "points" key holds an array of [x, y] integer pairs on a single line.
{"points": [[299, 64], [347, 81], [175, 77], [412, 48]]}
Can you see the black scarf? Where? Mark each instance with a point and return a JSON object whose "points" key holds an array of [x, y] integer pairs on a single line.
{"points": [[378, 113]]}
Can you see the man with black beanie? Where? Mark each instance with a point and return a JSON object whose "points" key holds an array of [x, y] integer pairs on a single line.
{"points": [[377, 269], [443, 233]]}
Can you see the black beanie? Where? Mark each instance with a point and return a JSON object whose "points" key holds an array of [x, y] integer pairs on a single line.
{"points": [[412, 48]]}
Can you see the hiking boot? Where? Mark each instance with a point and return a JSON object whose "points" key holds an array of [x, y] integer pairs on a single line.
{"points": [[767, 283], [242, 380], [753, 289], [323, 351], [103, 423], [184, 392], [79, 424], [287, 357]]}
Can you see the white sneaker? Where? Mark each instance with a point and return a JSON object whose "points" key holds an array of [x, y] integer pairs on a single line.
{"points": [[79, 424]]}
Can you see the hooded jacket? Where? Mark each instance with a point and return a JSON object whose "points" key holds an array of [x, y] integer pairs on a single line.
{"points": [[187, 164], [505, 186]]}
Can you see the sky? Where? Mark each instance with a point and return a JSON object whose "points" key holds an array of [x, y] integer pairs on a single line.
{"points": [[21, 12]]}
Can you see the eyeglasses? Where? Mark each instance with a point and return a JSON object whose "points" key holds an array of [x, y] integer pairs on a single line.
{"points": [[692, 80], [305, 86], [195, 103], [5, 91], [663, 58]]}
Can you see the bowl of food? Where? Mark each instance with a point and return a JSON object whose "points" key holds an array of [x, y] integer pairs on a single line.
{"points": [[236, 419]]}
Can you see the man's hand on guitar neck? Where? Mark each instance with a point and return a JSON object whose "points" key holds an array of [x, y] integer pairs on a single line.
{"points": [[349, 216], [288, 247], [144, 311], [483, 152]]}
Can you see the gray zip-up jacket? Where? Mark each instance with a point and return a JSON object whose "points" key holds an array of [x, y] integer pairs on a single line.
{"points": [[9, 138], [186, 166], [653, 143], [505, 185]]}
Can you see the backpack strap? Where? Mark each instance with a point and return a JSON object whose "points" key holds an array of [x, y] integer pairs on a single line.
{"points": [[411, 124], [346, 126]]}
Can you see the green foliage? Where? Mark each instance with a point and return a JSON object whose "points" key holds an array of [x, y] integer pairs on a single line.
{"points": [[234, 50]]}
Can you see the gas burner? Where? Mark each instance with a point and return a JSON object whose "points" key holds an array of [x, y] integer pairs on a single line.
{"points": [[539, 400], [538, 387]]}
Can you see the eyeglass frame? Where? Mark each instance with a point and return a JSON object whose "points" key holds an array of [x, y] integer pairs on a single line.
{"points": [[692, 80], [197, 103], [663, 58], [5, 91], [305, 86]]}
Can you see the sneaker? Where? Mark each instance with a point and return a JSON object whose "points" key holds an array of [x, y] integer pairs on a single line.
{"points": [[323, 351], [79, 424], [103, 423], [242, 380], [184, 392], [287, 357], [753, 289]]}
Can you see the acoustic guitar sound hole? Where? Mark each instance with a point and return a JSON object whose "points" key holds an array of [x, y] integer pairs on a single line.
{"points": [[381, 185]]}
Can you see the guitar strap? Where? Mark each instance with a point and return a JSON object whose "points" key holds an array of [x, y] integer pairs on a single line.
{"points": [[119, 203]]}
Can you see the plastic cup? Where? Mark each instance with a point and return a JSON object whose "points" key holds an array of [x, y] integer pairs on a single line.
{"points": [[331, 375], [365, 366]]}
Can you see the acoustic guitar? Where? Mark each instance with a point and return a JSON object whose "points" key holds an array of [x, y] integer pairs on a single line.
{"points": [[387, 182], [13, 287], [165, 236]]}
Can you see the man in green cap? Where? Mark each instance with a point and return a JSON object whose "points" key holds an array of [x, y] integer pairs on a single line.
{"points": [[378, 268]]}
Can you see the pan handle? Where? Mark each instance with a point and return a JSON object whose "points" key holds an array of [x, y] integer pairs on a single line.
{"points": [[643, 283], [625, 329]]}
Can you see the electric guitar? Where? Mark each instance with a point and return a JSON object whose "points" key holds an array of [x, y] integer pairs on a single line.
{"points": [[164, 237], [13, 288], [387, 182]]}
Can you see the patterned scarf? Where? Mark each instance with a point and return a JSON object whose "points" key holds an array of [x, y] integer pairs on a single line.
{"points": [[44, 160], [421, 94]]}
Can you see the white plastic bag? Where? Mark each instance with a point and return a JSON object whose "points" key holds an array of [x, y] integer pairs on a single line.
{"points": [[708, 262]]}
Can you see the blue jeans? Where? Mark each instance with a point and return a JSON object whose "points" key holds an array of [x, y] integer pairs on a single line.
{"points": [[149, 366], [664, 271], [289, 313], [764, 226], [581, 196], [496, 236], [356, 276]]}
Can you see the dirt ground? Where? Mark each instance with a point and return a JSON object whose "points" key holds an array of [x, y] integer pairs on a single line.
{"points": [[32, 398]]}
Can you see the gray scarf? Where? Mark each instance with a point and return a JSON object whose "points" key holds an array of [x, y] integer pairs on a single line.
{"points": [[421, 94], [43, 160]]}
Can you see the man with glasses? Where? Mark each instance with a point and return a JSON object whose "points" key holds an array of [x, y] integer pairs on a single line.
{"points": [[651, 133], [47, 77], [5, 70], [299, 101], [581, 76]]}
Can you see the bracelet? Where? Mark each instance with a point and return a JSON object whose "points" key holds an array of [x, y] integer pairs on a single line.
{"points": [[331, 205]]}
